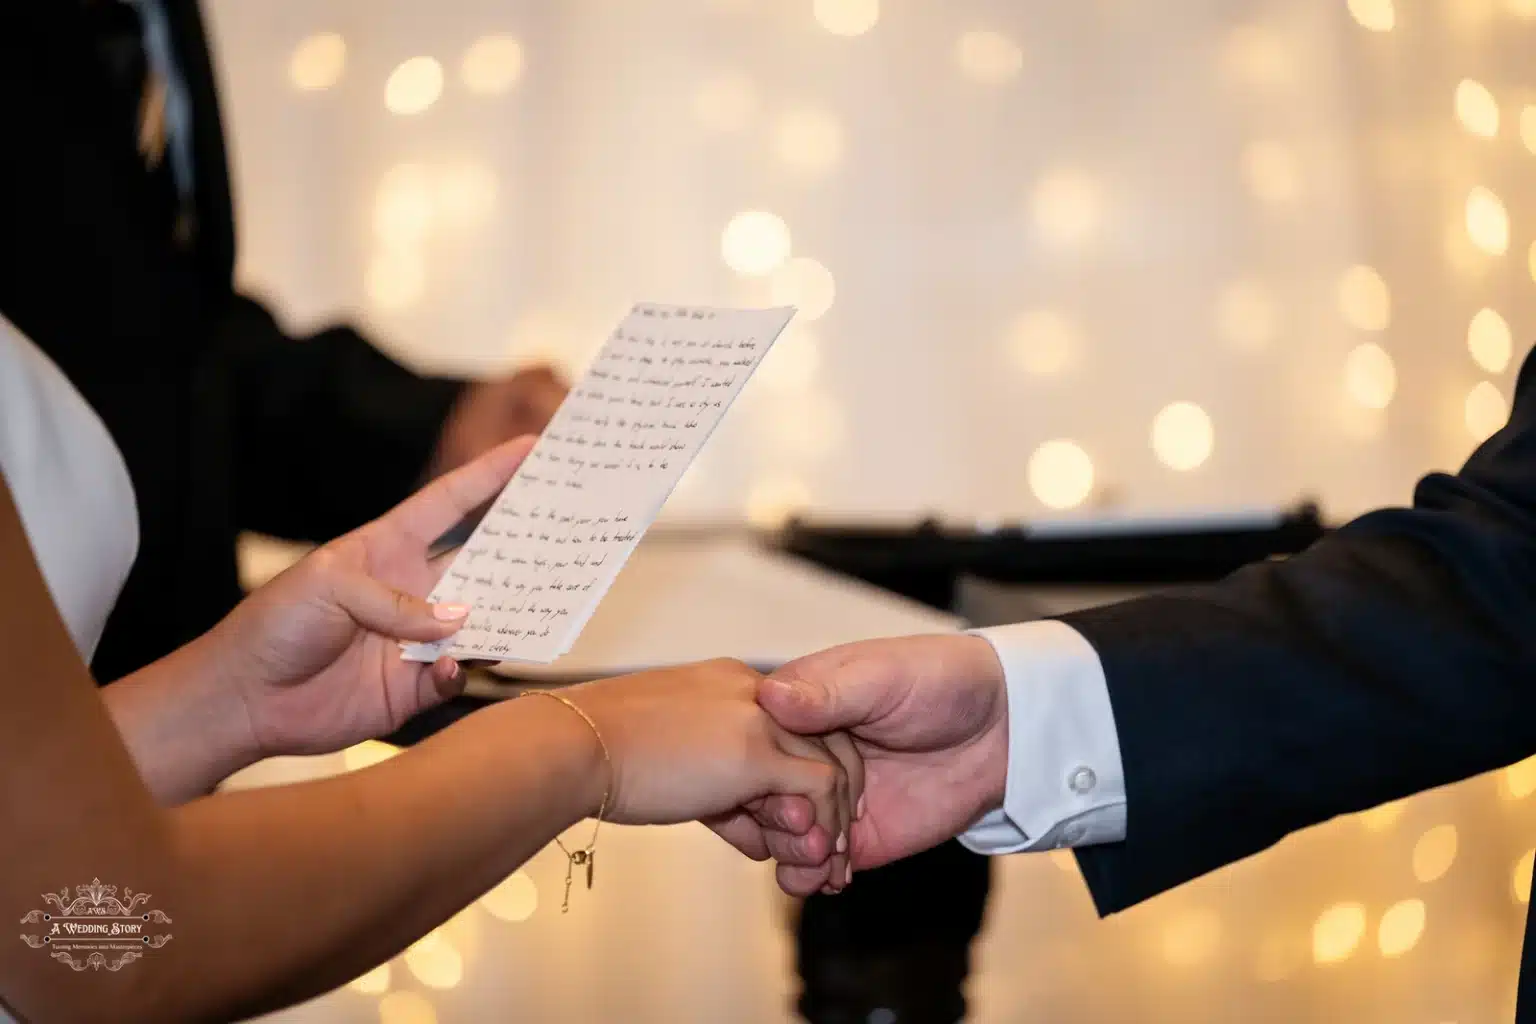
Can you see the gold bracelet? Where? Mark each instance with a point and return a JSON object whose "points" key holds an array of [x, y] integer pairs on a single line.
{"points": [[584, 857]]}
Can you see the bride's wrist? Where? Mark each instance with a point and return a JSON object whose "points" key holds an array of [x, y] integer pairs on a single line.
{"points": [[575, 748]]}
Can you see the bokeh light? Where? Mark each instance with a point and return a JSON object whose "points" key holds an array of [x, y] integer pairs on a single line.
{"points": [[1487, 221], [1191, 938], [1257, 57], [1528, 127], [1066, 208], [791, 366], [1520, 877], [374, 983], [1044, 342], [513, 900], [492, 65], [1364, 300], [1182, 436], [413, 86], [1383, 816], [318, 62], [1485, 411], [1518, 781], [464, 194], [406, 1007], [846, 17], [1476, 108], [755, 243], [990, 58], [1060, 474], [1272, 172], [1434, 853], [1400, 928], [772, 502], [434, 961], [1490, 341], [1376, 15], [396, 278], [808, 140], [1370, 377], [805, 284], [1246, 316], [1337, 932], [726, 102], [403, 206]]}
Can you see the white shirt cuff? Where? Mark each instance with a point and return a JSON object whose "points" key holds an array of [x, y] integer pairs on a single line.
{"points": [[1066, 784]]}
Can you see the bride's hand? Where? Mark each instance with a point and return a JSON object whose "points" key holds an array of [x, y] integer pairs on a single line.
{"points": [[692, 743], [314, 653]]}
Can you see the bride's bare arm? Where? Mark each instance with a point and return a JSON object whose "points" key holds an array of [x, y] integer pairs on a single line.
{"points": [[277, 895]]}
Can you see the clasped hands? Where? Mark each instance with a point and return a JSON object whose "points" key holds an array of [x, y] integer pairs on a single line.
{"points": [[841, 761]]}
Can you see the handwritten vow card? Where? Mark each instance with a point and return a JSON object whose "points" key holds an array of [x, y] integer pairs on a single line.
{"points": [[543, 557]]}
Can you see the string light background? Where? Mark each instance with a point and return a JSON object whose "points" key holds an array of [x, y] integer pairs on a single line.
{"points": [[1052, 259]]}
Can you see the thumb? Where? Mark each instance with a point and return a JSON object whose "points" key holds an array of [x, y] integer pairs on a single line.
{"points": [[817, 695], [383, 609]]}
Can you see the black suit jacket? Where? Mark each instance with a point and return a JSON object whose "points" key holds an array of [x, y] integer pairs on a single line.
{"points": [[225, 423], [1396, 655]]}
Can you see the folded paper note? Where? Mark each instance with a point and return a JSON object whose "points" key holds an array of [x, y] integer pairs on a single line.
{"points": [[536, 567]]}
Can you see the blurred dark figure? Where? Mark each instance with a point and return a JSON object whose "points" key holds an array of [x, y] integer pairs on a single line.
{"points": [[117, 251]]}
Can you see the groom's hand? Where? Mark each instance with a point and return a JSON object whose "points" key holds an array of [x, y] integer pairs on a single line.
{"points": [[928, 716]]}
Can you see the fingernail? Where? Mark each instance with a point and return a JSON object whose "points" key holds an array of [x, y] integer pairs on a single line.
{"points": [[849, 879], [858, 812], [450, 612], [783, 689], [842, 842]]}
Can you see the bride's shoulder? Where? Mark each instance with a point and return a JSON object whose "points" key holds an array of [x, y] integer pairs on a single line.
{"points": [[69, 483]]}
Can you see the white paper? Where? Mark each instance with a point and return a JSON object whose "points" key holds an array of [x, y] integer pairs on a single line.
{"points": [[536, 567]]}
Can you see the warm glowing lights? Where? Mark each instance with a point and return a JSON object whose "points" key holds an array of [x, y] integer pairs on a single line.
{"points": [[808, 140], [790, 367], [1182, 436], [374, 983], [846, 17], [1528, 128], [1370, 377], [1485, 411], [413, 86], [1383, 816], [396, 278], [1487, 221], [772, 502], [1258, 58], [1525, 9], [805, 284], [1066, 208], [1376, 15], [434, 961], [464, 195], [1490, 341], [1518, 781], [1060, 474], [1246, 316], [406, 1007], [513, 900], [1520, 878], [367, 754], [725, 103], [755, 243], [1337, 932], [1044, 342], [1192, 938], [403, 206], [990, 58], [1400, 928], [1364, 299], [1434, 853], [492, 65], [318, 62], [1271, 172], [1476, 108]]}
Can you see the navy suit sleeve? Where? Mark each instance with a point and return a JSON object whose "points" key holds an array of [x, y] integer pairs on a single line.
{"points": [[1396, 655], [328, 432]]}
